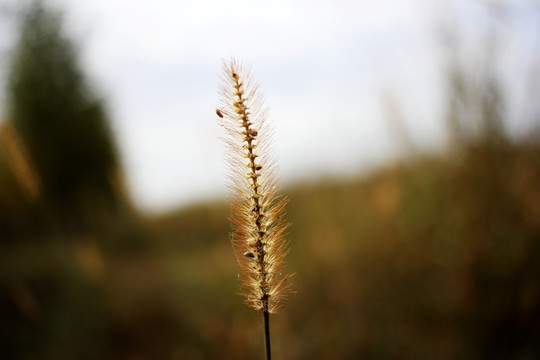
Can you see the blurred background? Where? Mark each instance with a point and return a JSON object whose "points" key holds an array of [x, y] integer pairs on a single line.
{"points": [[408, 135]]}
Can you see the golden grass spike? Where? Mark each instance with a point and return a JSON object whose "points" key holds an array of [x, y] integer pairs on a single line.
{"points": [[257, 212]]}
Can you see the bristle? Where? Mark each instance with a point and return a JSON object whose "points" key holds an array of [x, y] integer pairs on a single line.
{"points": [[257, 211]]}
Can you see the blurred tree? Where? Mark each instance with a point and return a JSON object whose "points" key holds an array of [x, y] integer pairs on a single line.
{"points": [[62, 124]]}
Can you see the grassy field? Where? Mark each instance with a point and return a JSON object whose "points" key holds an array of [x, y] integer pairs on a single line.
{"points": [[426, 258]]}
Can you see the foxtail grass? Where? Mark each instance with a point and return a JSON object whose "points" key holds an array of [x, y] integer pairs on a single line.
{"points": [[257, 211]]}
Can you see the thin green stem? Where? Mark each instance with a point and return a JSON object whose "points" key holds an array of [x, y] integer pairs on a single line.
{"points": [[267, 334]]}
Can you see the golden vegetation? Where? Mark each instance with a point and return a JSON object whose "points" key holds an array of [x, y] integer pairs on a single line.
{"points": [[257, 211], [19, 161]]}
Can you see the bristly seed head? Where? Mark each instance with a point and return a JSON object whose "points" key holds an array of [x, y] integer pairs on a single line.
{"points": [[257, 211]]}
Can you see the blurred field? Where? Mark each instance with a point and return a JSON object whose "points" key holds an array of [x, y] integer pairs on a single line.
{"points": [[429, 258]]}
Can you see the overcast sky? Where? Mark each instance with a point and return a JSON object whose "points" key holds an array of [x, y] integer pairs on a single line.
{"points": [[323, 66]]}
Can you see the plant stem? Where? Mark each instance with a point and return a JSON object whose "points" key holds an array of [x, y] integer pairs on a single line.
{"points": [[267, 334]]}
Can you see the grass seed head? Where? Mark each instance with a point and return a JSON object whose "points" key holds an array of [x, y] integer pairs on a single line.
{"points": [[257, 211]]}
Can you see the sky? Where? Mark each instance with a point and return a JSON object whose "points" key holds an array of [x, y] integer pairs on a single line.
{"points": [[325, 68]]}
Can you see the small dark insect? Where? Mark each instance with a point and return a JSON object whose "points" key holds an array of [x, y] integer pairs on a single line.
{"points": [[249, 254], [219, 113]]}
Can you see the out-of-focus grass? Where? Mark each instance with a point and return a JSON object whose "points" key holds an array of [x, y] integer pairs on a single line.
{"points": [[431, 257]]}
